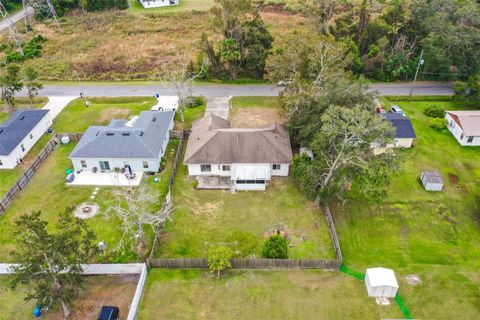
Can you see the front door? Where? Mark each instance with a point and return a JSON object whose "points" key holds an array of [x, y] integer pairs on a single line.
{"points": [[104, 166]]}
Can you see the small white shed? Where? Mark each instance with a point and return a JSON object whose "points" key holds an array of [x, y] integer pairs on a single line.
{"points": [[432, 181], [381, 283]]}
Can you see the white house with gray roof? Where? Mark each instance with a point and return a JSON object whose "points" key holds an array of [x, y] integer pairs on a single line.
{"points": [[19, 133], [137, 145], [158, 3]]}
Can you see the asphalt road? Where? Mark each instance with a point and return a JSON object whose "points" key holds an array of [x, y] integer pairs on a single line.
{"points": [[14, 18], [112, 90]]}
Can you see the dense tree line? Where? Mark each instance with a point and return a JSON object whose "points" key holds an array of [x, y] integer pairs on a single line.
{"points": [[386, 37]]}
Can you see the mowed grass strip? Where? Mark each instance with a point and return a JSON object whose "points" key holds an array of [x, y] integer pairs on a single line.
{"points": [[195, 294], [433, 234], [207, 217]]}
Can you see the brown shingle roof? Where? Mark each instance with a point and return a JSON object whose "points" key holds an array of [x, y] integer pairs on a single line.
{"points": [[213, 141]]}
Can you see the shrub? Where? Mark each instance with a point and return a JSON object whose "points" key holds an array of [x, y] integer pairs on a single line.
{"points": [[276, 247], [437, 124], [460, 88], [193, 102], [434, 112]]}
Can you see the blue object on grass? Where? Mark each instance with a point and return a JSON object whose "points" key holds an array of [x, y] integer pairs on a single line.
{"points": [[37, 312]]}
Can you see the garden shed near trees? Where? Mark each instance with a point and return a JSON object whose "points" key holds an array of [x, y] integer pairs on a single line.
{"points": [[432, 181]]}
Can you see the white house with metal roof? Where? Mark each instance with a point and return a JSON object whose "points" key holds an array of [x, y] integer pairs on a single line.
{"points": [[158, 3], [19, 133], [464, 126], [134, 146]]}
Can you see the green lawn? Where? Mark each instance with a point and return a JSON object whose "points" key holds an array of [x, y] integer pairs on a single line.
{"points": [[76, 117], [47, 192], [435, 235], [190, 115], [256, 102], [195, 294], [184, 5], [213, 216]]}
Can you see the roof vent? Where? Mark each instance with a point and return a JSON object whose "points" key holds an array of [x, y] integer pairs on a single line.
{"points": [[1, 131], [154, 119], [126, 134], [22, 117], [141, 134], [110, 134]]}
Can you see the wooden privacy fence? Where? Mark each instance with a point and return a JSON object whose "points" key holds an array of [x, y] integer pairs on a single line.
{"points": [[170, 185], [22, 182], [261, 264], [333, 233]]}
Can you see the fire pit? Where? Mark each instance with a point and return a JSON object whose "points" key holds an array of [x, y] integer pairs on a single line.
{"points": [[86, 210]]}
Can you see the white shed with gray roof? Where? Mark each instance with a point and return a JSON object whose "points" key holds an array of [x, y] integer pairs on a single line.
{"points": [[139, 147], [432, 181]]}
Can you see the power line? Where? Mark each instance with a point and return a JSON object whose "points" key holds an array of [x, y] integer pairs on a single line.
{"points": [[11, 27]]}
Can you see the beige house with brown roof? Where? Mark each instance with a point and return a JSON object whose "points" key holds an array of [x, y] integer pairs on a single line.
{"points": [[222, 157], [465, 126]]}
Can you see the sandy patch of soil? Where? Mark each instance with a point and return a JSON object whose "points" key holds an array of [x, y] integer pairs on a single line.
{"points": [[254, 117], [113, 113], [102, 291]]}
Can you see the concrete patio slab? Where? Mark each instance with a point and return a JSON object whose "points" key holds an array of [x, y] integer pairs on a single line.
{"points": [[86, 178]]}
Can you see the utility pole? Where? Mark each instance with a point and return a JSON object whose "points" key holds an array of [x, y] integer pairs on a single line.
{"points": [[420, 63], [11, 27], [39, 6]]}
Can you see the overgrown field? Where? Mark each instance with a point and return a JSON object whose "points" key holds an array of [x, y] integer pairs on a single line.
{"points": [[120, 45]]}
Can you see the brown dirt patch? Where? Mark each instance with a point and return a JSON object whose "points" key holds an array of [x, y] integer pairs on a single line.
{"points": [[102, 291], [453, 178], [254, 117], [113, 113]]}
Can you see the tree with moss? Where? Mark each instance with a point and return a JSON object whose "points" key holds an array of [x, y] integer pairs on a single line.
{"points": [[30, 79], [219, 259], [276, 247], [10, 84], [51, 262]]}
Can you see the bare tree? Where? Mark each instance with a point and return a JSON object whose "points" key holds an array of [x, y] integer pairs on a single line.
{"points": [[177, 73], [135, 207], [322, 12]]}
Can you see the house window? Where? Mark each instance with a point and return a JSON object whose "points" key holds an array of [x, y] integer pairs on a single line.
{"points": [[470, 140], [205, 168], [276, 167], [22, 147], [104, 165], [461, 136], [225, 167], [1, 163], [83, 163], [31, 136], [145, 164]]}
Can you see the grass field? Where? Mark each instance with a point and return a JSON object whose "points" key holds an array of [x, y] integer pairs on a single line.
{"points": [[48, 193], [258, 295], [435, 235], [184, 5], [77, 118], [212, 216], [99, 291]]}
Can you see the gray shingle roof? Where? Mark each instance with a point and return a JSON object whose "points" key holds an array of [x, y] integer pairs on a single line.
{"points": [[142, 141], [403, 125], [17, 127]]}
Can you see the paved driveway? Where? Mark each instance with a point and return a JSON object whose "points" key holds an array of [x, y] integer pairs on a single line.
{"points": [[219, 106], [56, 105]]}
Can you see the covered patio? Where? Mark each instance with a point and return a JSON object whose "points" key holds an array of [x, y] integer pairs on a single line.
{"points": [[88, 178]]}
